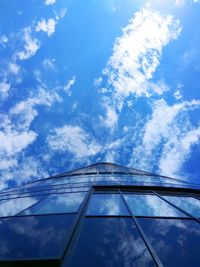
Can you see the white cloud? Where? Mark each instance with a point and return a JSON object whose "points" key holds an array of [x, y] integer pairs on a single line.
{"points": [[179, 3], [178, 95], [49, 63], [4, 88], [137, 53], [11, 73], [28, 169], [75, 140], [13, 142], [177, 150], [159, 125], [98, 81], [50, 2], [164, 134], [15, 133], [111, 117], [3, 39], [14, 68], [62, 14], [26, 110], [46, 26], [69, 84], [31, 45]]}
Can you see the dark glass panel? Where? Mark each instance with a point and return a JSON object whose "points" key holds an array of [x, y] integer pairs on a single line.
{"points": [[14, 206], [110, 242], [151, 205], [175, 241], [34, 237], [188, 204], [57, 203], [106, 204]]}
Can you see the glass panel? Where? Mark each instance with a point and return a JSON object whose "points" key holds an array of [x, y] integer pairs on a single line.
{"points": [[175, 241], [14, 206], [106, 204], [110, 242], [189, 204], [87, 178], [34, 237], [150, 205], [78, 189], [59, 203]]}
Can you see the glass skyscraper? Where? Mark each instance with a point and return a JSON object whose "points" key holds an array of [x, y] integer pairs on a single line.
{"points": [[101, 215]]}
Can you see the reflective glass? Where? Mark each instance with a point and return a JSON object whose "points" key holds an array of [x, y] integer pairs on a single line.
{"points": [[14, 206], [176, 242], [110, 242], [34, 237], [58, 203], [106, 204], [150, 205], [78, 189], [189, 204], [87, 178]]}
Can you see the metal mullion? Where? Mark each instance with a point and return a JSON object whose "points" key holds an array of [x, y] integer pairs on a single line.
{"points": [[142, 234], [77, 223], [108, 216], [84, 172], [185, 212], [35, 215], [162, 217], [192, 196], [43, 194]]}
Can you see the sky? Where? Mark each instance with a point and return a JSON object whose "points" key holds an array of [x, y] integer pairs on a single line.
{"points": [[99, 80]]}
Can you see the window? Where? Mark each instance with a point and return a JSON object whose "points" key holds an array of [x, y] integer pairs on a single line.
{"points": [[34, 237], [14, 206], [176, 241], [57, 203], [188, 204], [106, 204], [151, 205], [110, 242]]}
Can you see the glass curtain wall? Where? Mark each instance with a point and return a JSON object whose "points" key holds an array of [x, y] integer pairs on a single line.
{"points": [[101, 215]]}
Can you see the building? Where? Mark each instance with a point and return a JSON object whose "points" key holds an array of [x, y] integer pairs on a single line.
{"points": [[101, 215]]}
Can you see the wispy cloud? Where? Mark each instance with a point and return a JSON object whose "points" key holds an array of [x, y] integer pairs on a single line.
{"points": [[4, 88], [69, 84], [135, 58], [75, 140], [3, 39], [168, 127], [177, 150], [111, 117], [50, 2], [31, 45], [25, 111], [47, 26], [16, 135], [137, 53], [13, 141], [49, 63], [178, 94]]}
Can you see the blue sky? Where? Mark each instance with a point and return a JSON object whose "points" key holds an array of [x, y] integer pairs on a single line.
{"points": [[99, 80]]}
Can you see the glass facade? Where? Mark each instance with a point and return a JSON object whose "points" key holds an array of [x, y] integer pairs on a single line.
{"points": [[101, 215]]}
